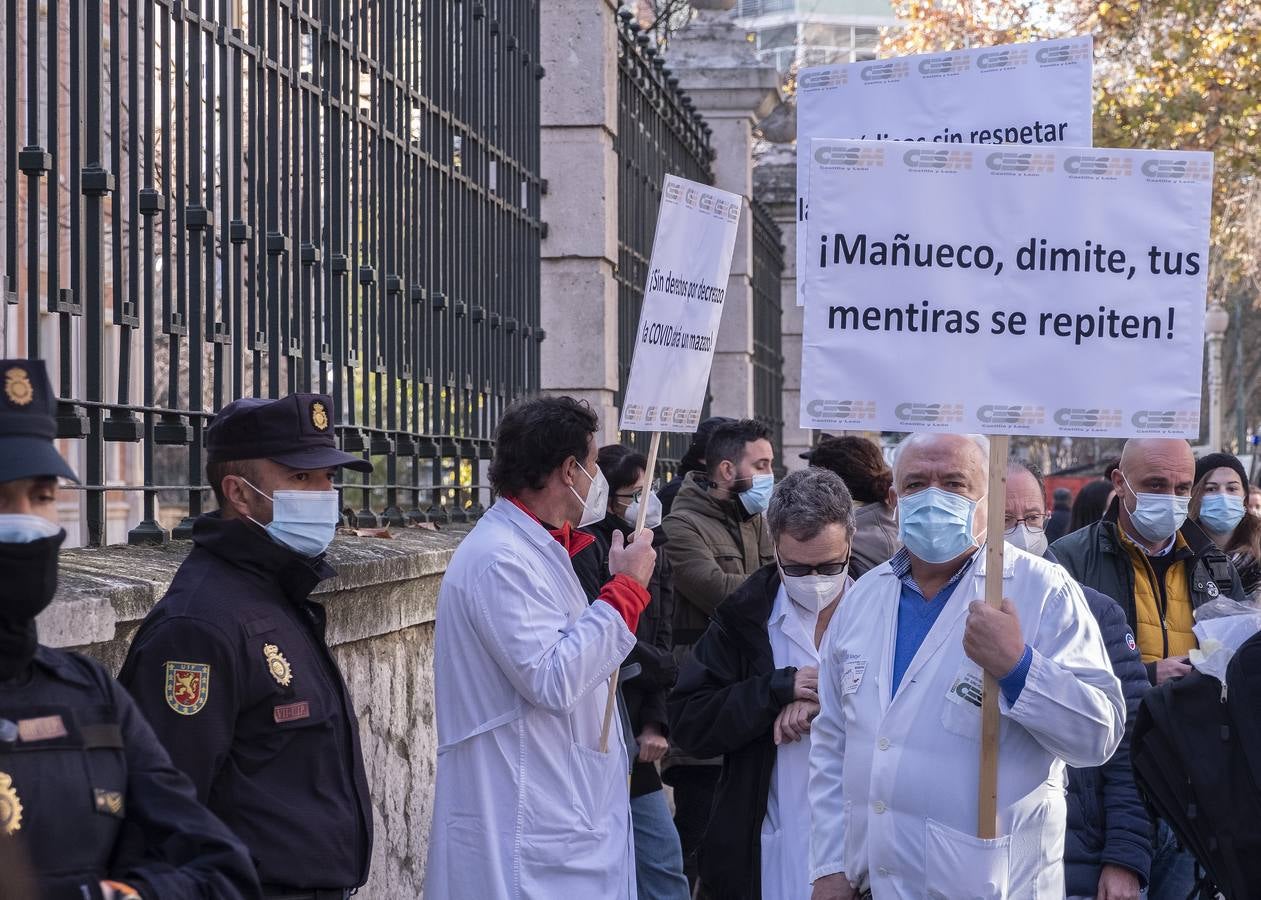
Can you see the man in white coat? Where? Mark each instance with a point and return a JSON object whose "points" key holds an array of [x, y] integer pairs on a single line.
{"points": [[895, 750], [527, 805]]}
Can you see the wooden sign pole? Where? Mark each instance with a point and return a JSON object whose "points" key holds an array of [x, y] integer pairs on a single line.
{"points": [[653, 446], [987, 809]]}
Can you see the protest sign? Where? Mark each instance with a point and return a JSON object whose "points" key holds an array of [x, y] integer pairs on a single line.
{"points": [[1049, 291], [1035, 93], [678, 326], [683, 301]]}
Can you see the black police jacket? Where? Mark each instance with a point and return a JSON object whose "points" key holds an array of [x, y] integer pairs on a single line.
{"points": [[89, 793], [232, 670]]}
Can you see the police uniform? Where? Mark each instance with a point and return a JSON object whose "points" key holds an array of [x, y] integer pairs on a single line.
{"points": [[233, 671], [86, 790]]}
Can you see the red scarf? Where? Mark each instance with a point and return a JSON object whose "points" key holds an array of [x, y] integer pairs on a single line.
{"points": [[572, 540]]}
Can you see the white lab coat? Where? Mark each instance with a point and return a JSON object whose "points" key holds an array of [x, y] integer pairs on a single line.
{"points": [[526, 805], [785, 837], [893, 780]]}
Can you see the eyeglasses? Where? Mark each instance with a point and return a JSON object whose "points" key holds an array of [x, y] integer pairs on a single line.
{"points": [[638, 495], [830, 568], [1035, 522]]}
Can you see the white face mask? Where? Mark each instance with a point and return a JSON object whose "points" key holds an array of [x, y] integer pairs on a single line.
{"points": [[813, 593], [652, 518], [597, 499], [1031, 541]]}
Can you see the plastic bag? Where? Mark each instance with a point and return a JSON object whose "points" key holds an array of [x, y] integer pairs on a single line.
{"points": [[1221, 626]]}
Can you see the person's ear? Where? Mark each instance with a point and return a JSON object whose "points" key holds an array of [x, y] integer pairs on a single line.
{"points": [[236, 495], [892, 497]]}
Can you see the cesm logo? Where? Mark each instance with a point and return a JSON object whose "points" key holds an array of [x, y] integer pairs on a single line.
{"points": [[708, 203], [928, 413], [937, 66], [1062, 55], [821, 79], [1020, 163], [1098, 167], [1177, 170], [1011, 416], [884, 73], [842, 411], [1084, 419], [1165, 421], [1000, 60], [849, 156], [923, 159]]}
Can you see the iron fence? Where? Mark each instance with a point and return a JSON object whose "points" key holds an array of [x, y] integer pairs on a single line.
{"points": [[206, 199], [659, 133], [768, 356]]}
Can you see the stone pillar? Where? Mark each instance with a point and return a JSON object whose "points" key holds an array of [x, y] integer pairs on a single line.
{"points": [[717, 68], [775, 183], [578, 44]]}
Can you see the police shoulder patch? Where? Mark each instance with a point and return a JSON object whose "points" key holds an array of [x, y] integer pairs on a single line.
{"points": [[187, 686]]}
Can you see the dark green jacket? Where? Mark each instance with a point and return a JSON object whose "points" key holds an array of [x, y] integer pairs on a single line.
{"points": [[1094, 556]]}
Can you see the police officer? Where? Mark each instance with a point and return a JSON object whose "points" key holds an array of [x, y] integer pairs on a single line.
{"points": [[232, 668], [86, 790]]}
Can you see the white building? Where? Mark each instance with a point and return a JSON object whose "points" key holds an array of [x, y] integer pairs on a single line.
{"points": [[796, 33]]}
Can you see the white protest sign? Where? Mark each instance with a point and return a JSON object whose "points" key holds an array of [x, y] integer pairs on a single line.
{"points": [[683, 300], [1013, 94], [1049, 290]]}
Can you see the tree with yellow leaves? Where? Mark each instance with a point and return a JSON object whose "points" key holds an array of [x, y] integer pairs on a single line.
{"points": [[1169, 74]]}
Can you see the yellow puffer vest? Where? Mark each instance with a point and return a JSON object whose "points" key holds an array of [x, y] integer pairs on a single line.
{"points": [[1175, 595]]}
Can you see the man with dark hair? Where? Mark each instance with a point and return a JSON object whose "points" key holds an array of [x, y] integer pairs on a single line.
{"points": [[862, 467], [528, 804], [716, 539], [750, 691], [693, 460], [232, 669]]}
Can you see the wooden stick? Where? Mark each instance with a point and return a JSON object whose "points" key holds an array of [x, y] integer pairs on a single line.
{"points": [[649, 470], [996, 503]]}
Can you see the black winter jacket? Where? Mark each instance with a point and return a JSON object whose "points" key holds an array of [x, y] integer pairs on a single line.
{"points": [[645, 694], [1095, 558], [726, 701], [1107, 822]]}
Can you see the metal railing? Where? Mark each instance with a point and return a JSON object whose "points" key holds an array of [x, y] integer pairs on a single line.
{"points": [[219, 198], [659, 132], [768, 356]]}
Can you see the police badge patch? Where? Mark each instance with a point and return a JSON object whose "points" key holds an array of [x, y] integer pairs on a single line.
{"points": [[319, 416], [187, 687], [277, 665], [10, 806], [17, 386]]}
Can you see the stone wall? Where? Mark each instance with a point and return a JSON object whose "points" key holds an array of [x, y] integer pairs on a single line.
{"points": [[381, 626]]}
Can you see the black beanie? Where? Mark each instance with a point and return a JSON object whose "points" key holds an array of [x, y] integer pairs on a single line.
{"points": [[1206, 464]]}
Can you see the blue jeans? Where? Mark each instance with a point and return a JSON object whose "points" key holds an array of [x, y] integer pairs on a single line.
{"points": [[658, 858], [1173, 870]]}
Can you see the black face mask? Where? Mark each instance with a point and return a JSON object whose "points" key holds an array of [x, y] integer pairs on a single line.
{"points": [[28, 581]]}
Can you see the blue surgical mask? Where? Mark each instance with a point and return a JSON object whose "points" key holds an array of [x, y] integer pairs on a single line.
{"points": [[936, 525], [1157, 517], [758, 495], [1220, 513], [20, 528], [303, 521]]}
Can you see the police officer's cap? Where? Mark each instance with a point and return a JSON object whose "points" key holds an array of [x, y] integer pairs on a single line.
{"points": [[27, 424], [295, 431]]}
